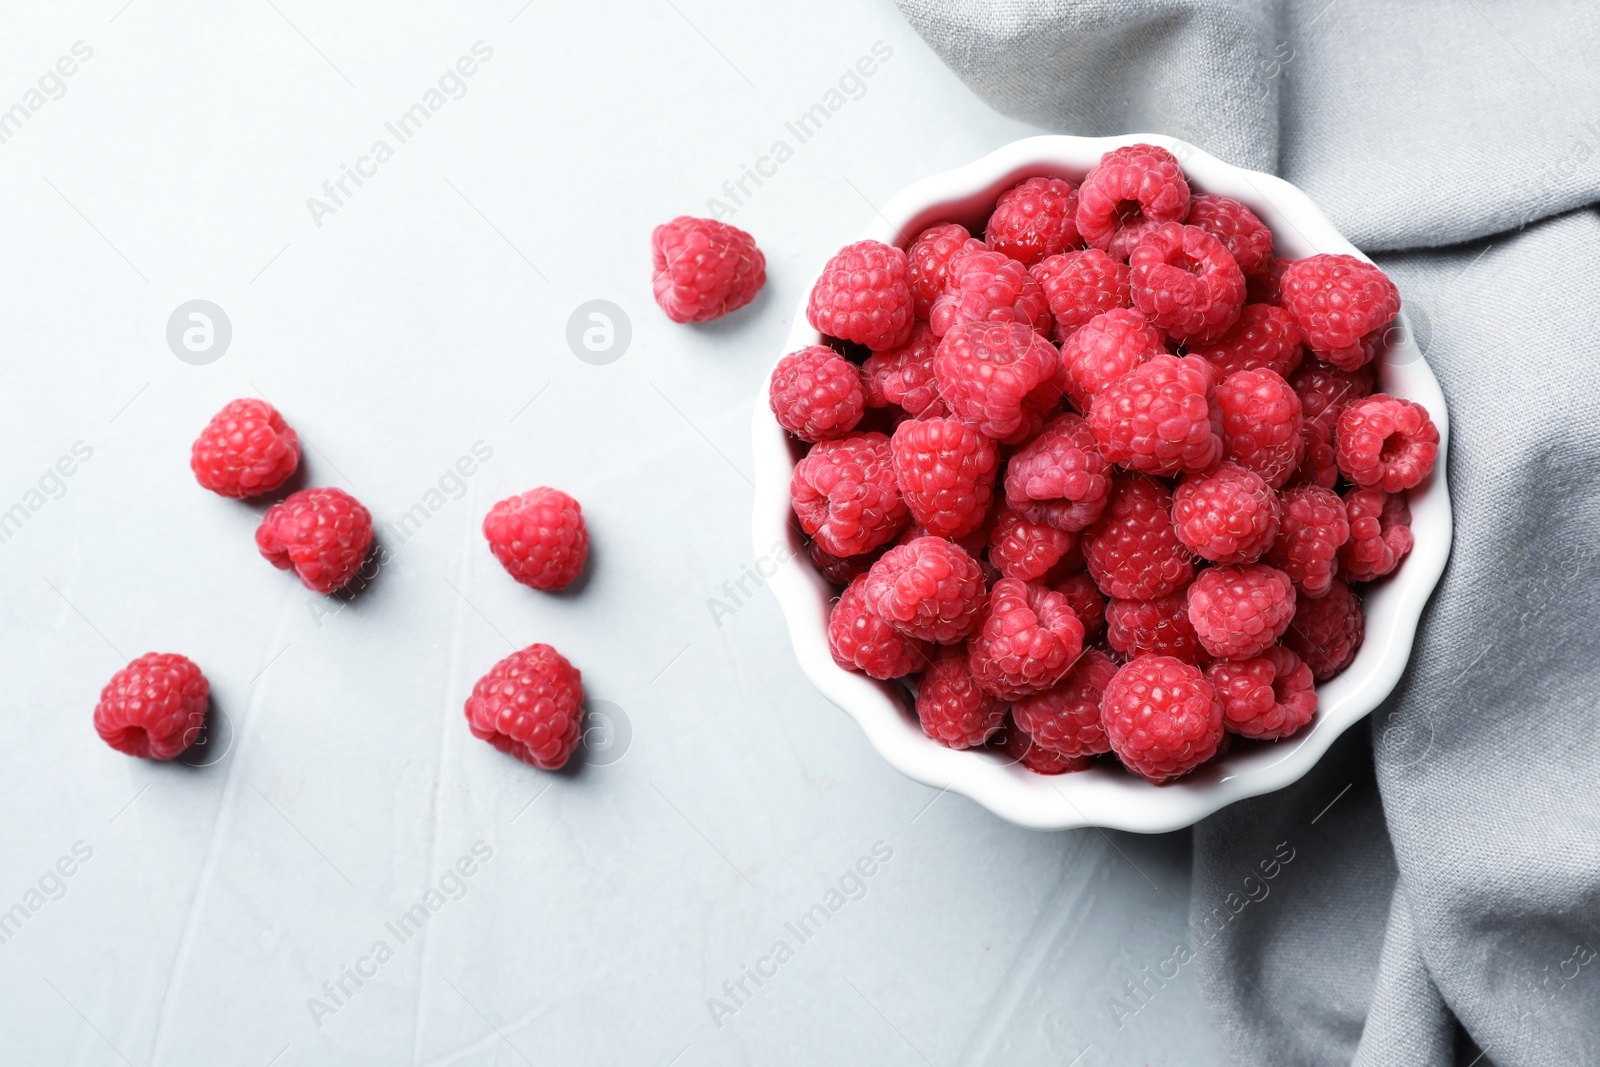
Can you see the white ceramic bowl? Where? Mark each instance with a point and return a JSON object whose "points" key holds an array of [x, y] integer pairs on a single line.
{"points": [[1107, 795]]}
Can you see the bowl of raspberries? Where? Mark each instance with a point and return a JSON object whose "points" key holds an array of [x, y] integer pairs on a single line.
{"points": [[1110, 480]]}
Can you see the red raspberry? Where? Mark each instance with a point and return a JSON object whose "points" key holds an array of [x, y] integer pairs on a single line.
{"points": [[1265, 337], [1314, 526], [1228, 516], [1021, 548], [930, 589], [1066, 718], [321, 534], [1186, 282], [1104, 349], [1133, 552], [1026, 641], [1327, 631], [1060, 477], [1264, 287], [816, 393], [840, 570], [946, 471], [1386, 442], [862, 640], [1262, 426], [1015, 742], [530, 705], [999, 377], [1034, 219], [864, 295], [153, 708], [1088, 603], [1325, 391], [1380, 534], [539, 537], [1319, 466], [1160, 627], [245, 450], [1264, 698], [904, 376], [1130, 185], [704, 268], [1245, 237], [1239, 611], [1158, 417], [930, 256], [986, 286], [1336, 301], [1162, 717], [845, 496], [952, 709], [1080, 285]]}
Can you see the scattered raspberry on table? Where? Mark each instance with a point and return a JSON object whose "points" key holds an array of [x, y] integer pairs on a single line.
{"points": [[245, 450], [530, 705], [704, 269], [539, 537], [153, 708], [321, 534]]}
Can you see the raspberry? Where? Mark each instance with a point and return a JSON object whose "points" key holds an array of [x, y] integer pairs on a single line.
{"points": [[1265, 698], [1162, 717], [1245, 237], [1265, 337], [1262, 426], [864, 295], [845, 496], [704, 268], [1026, 641], [1239, 611], [1380, 534], [1265, 286], [1066, 719], [153, 708], [1034, 219], [1385, 442], [1314, 526], [952, 709], [1024, 549], [530, 705], [1133, 552], [1336, 301], [1327, 632], [1080, 285], [862, 640], [1318, 466], [1088, 603], [321, 534], [1014, 741], [904, 376], [1186, 282], [840, 570], [986, 286], [1158, 418], [245, 450], [816, 393], [1130, 185], [539, 537], [999, 377], [1156, 627], [1104, 349], [1325, 391], [946, 471], [929, 262], [1228, 516], [929, 589], [1060, 477]]}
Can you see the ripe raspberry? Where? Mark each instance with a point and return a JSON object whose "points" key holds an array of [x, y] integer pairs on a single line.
{"points": [[1265, 286], [1336, 301], [1027, 550], [1386, 442], [952, 709], [1265, 337], [930, 589], [1158, 627], [929, 262], [1261, 424], [1088, 603], [864, 295], [321, 534], [1314, 527], [1380, 534], [1026, 641], [704, 268], [999, 377], [1158, 417], [816, 393], [1104, 349], [1060, 477], [530, 705], [1034, 219], [1066, 719], [987, 286], [1080, 285], [840, 570], [1327, 632], [1325, 391], [1015, 742], [1162, 717], [1245, 237], [1319, 464], [1265, 698], [1239, 611], [845, 496], [1133, 552], [1186, 282], [153, 708], [862, 640], [539, 537], [946, 471], [904, 376], [245, 450], [1227, 516], [1130, 185]]}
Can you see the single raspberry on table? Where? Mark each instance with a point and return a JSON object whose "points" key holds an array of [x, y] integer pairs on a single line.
{"points": [[1325, 391], [1244, 235], [864, 295], [1036, 218], [946, 472], [840, 570], [904, 376], [1262, 424], [845, 495], [816, 393], [1066, 718], [1267, 697], [1227, 516], [929, 589], [1319, 463], [245, 450], [1337, 301], [1314, 527], [1080, 285], [539, 537], [929, 262], [1380, 534], [1386, 442], [985, 286], [1016, 743], [530, 705], [1264, 287], [1239, 611], [1327, 631], [1088, 603], [952, 708], [1186, 282], [704, 268], [1159, 626], [862, 640], [1130, 185], [998, 377], [1060, 477], [153, 708], [1264, 338], [1162, 717], [1026, 641], [1158, 418], [1104, 349], [321, 534], [1024, 549], [1133, 551]]}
